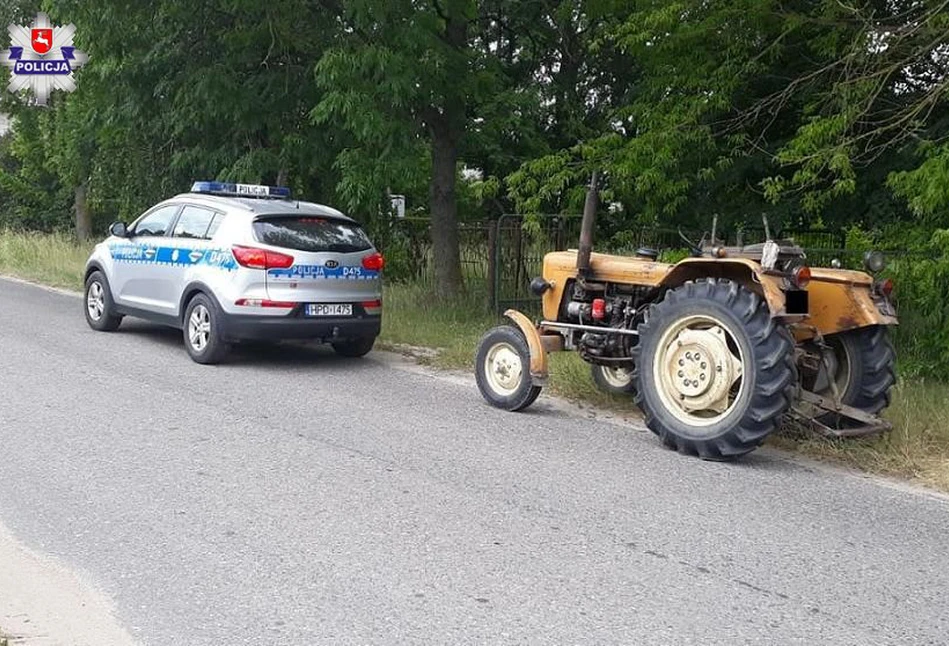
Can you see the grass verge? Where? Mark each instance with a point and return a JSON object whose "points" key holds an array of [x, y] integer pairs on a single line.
{"points": [[917, 449], [51, 259]]}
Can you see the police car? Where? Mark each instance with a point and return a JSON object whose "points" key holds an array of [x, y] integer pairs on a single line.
{"points": [[232, 262]]}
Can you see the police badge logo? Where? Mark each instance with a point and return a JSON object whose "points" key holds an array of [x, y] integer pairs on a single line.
{"points": [[42, 58]]}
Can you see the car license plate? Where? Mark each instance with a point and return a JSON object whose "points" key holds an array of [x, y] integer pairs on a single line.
{"points": [[329, 309]]}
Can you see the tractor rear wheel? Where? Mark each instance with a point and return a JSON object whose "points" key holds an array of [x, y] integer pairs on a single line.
{"points": [[714, 373], [864, 369]]}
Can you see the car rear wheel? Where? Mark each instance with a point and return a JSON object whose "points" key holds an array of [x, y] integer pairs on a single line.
{"points": [[354, 348], [204, 339], [99, 307], [502, 369]]}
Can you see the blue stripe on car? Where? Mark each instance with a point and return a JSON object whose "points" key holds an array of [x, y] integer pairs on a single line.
{"points": [[179, 256]]}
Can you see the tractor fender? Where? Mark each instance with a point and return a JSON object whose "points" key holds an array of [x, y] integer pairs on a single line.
{"points": [[538, 366], [741, 270]]}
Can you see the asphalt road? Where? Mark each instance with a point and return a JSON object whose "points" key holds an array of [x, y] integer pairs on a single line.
{"points": [[290, 497]]}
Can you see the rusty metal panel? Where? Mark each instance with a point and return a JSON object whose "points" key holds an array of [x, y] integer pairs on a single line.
{"points": [[838, 306]]}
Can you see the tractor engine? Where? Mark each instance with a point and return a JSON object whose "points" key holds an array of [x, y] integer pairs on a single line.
{"points": [[609, 308]]}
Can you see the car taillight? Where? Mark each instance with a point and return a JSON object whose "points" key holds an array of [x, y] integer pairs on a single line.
{"points": [[372, 307], [374, 262], [801, 276], [262, 302], [254, 258]]}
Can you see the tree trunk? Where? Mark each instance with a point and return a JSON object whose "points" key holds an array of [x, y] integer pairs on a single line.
{"points": [[444, 208], [83, 216]]}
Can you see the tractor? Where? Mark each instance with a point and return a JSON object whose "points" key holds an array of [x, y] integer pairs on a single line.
{"points": [[718, 349]]}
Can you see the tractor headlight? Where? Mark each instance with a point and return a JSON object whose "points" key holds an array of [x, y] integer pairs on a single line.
{"points": [[874, 261]]}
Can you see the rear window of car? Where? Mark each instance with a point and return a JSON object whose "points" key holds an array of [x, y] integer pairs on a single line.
{"points": [[311, 234]]}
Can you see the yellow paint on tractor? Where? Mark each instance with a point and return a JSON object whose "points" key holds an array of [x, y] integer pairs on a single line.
{"points": [[839, 299], [535, 344]]}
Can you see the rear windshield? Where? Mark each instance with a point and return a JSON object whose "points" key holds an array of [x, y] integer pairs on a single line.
{"points": [[311, 234]]}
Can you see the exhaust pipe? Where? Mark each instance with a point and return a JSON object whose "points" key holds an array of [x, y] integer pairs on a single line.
{"points": [[586, 229]]}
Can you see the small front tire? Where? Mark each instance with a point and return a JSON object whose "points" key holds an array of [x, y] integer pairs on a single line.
{"points": [[204, 338], [502, 370], [616, 381], [99, 306]]}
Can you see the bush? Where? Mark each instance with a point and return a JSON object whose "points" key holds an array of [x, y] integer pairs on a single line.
{"points": [[922, 298]]}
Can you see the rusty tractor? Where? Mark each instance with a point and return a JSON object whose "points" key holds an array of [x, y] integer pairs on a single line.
{"points": [[717, 349]]}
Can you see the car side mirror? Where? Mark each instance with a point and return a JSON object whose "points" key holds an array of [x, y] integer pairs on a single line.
{"points": [[119, 230]]}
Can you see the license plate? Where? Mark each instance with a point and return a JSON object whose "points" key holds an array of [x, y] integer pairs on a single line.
{"points": [[329, 309]]}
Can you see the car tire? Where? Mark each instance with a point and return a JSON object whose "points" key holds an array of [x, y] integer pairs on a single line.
{"points": [[502, 369], [616, 381], [99, 306], [714, 372], [354, 348], [203, 336]]}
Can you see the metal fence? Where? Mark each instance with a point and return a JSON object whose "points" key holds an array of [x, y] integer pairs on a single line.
{"points": [[499, 257]]}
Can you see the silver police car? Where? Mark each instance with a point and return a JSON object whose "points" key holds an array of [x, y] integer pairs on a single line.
{"points": [[232, 262]]}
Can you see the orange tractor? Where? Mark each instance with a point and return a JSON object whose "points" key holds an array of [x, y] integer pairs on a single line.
{"points": [[717, 349]]}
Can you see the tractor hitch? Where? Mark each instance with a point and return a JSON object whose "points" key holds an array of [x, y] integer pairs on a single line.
{"points": [[810, 407]]}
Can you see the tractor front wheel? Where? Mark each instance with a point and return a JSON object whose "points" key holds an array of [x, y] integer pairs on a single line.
{"points": [[502, 369], [714, 372], [613, 380]]}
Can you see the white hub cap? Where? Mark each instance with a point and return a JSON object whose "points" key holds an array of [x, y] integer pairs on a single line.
{"points": [[503, 369], [698, 365], [95, 301], [616, 377], [199, 328]]}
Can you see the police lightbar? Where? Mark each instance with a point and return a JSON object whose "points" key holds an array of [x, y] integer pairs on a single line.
{"points": [[241, 190]]}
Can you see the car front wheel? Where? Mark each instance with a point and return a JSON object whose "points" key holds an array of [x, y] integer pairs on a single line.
{"points": [[99, 307]]}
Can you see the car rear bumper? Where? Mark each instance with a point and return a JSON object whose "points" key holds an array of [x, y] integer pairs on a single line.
{"points": [[263, 328]]}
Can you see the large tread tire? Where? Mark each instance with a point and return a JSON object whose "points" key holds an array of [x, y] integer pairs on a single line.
{"points": [[769, 379], [611, 380], [108, 320], [216, 348], [523, 392], [872, 363]]}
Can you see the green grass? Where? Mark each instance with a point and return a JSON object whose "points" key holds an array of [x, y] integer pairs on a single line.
{"points": [[917, 448], [56, 260]]}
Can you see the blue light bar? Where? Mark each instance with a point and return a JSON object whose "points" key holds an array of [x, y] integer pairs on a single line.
{"points": [[241, 190]]}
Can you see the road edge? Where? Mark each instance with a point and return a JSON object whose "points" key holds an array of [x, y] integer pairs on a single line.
{"points": [[409, 361], [44, 602]]}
